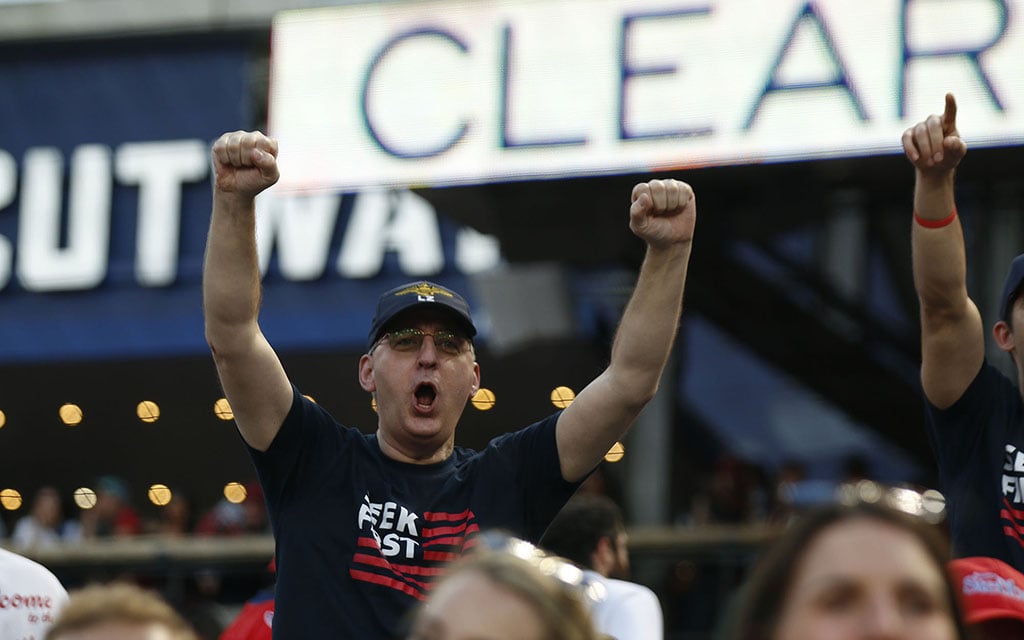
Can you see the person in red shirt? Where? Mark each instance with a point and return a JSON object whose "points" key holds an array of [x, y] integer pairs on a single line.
{"points": [[255, 620]]}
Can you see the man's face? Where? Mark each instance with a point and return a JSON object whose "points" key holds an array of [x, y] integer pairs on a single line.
{"points": [[1016, 320], [421, 384], [620, 569]]}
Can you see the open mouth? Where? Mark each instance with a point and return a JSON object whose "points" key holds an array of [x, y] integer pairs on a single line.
{"points": [[425, 395]]}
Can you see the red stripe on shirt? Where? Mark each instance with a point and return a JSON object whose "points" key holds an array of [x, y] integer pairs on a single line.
{"points": [[1016, 526], [448, 517], [1017, 514], [361, 558], [430, 532], [369, 543], [1011, 533], [454, 541], [430, 572], [397, 585]]}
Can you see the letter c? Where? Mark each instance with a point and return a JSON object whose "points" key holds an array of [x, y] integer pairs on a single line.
{"points": [[375, 130]]}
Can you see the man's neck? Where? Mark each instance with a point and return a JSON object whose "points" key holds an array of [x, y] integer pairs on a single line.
{"points": [[414, 455]]}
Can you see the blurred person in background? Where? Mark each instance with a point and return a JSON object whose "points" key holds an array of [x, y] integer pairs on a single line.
{"points": [[174, 519], [736, 492], [506, 595], [118, 611], [589, 530], [113, 514], [791, 474], [44, 526], [227, 518], [31, 597], [850, 573], [256, 619], [992, 595]]}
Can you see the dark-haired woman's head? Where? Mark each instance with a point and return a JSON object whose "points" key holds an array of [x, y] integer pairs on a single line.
{"points": [[846, 572]]}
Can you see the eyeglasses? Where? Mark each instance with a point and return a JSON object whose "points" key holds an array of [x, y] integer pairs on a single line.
{"points": [[411, 340], [929, 505]]}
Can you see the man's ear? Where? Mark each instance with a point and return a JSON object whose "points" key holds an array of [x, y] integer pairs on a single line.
{"points": [[366, 374], [1003, 335], [603, 557], [476, 380]]}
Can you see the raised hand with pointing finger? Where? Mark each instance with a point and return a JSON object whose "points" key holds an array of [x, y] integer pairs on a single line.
{"points": [[934, 144], [974, 413]]}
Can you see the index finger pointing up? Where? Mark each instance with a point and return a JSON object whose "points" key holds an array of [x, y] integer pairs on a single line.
{"points": [[949, 115]]}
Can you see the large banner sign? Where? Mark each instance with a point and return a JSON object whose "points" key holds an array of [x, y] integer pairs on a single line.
{"points": [[105, 203], [105, 194], [453, 92]]}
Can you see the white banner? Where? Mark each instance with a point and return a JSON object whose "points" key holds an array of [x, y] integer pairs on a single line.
{"points": [[436, 93]]}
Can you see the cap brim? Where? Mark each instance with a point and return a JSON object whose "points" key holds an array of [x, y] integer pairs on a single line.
{"points": [[993, 613], [464, 324]]}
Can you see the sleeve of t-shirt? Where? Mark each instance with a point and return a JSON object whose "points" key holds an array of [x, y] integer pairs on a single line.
{"points": [[635, 615], [530, 456], [306, 446], [957, 431]]}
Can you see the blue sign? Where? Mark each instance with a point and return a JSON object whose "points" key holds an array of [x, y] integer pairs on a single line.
{"points": [[105, 200]]}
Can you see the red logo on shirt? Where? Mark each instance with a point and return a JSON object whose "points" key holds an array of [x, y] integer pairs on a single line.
{"points": [[406, 552]]}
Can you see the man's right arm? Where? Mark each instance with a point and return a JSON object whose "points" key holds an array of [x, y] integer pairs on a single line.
{"points": [[952, 336], [254, 382]]}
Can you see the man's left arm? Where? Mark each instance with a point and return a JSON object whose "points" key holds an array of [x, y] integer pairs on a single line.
{"points": [[662, 213]]}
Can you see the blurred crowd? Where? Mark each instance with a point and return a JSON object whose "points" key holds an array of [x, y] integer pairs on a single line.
{"points": [[50, 520], [209, 599]]}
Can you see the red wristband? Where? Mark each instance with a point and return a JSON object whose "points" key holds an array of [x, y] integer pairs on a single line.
{"points": [[935, 224]]}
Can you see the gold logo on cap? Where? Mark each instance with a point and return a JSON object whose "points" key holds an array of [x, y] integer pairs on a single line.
{"points": [[425, 290]]}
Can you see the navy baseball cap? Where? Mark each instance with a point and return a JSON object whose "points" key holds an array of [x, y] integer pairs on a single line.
{"points": [[423, 295], [1012, 286]]}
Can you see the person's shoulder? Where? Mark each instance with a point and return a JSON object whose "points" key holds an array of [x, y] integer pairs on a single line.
{"points": [[354, 436], [990, 374], [24, 526], [625, 595], [461, 454], [628, 610], [308, 411], [624, 588], [532, 430], [9, 559], [989, 388], [17, 570]]}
